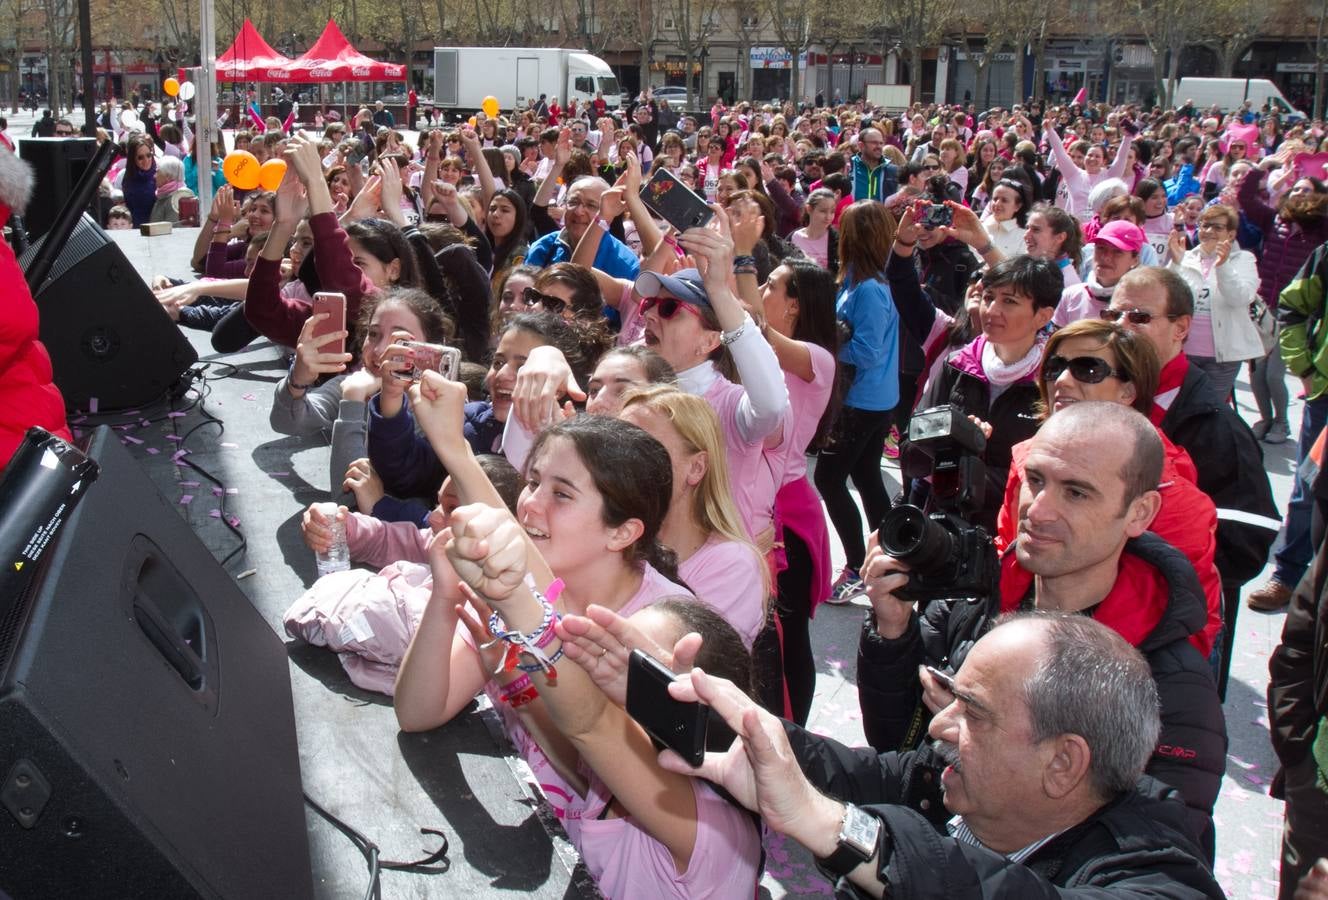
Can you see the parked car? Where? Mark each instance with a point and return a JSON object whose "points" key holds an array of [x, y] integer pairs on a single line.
{"points": [[674, 95]]}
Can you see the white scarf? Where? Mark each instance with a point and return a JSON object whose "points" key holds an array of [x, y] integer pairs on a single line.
{"points": [[1003, 374], [1100, 293]]}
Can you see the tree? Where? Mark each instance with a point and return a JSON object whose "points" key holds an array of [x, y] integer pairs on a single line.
{"points": [[1168, 27], [1235, 25], [694, 21], [792, 24], [919, 24]]}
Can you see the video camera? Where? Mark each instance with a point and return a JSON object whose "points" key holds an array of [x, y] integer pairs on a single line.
{"points": [[948, 558]]}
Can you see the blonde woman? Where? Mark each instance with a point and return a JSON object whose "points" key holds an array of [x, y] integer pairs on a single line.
{"points": [[953, 163], [715, 557]]}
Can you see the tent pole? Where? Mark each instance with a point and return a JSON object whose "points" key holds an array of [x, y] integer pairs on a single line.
{"points": [[205, 104]]}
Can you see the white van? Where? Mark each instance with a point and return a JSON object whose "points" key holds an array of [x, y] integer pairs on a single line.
{"points": [[1230, 93], [464, 76]]}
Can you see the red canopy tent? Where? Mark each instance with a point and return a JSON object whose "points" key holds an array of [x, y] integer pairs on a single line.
{"points": [[333, 59], [250, 58]]}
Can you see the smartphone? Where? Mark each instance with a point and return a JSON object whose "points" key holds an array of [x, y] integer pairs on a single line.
{"points": [[937, 215], [946, 680], [446, 361], [670, 723], [335, 306], [675, 202]]}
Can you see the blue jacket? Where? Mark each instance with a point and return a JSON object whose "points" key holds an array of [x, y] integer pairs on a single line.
{"points": [[614, 257], [869, 310], [403, 458], [1182, 185], [879, 183]]}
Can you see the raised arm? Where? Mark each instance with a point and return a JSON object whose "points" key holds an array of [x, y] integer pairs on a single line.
{"points": [[471, 142]]}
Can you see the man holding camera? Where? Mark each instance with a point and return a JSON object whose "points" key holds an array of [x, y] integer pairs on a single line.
{"points": [[1039, 754], [1084, 507]]}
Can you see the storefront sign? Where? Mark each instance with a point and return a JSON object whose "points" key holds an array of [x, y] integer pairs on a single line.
{"points": [[775, 58]]}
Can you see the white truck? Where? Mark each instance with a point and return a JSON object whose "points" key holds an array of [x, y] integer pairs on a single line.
{"points": [[1228, 94], [464, 76]]}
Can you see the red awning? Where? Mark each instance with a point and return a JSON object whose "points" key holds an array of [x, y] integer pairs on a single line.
{"points": [[250, 58], [333, 59]]}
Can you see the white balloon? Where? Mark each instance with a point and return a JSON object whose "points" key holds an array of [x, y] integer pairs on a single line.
{"points": [[129, 120], [187, 90]]}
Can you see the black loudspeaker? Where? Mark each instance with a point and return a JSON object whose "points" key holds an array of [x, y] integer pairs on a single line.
{"points": [[147, 734], [108, 337], [58, 163]]}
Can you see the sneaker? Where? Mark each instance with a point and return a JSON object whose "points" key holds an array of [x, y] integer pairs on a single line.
{"points": [[1260, 428], [1278, 433], [847, 586], [891, 451], [1272, 597]]}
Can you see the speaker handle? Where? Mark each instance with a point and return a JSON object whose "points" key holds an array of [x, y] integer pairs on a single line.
{"points": [[169, 642]]}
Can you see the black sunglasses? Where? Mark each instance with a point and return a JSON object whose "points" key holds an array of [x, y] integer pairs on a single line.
{"points": [[1133, 316], [547, 302], [668, 307], [1085, 369]]}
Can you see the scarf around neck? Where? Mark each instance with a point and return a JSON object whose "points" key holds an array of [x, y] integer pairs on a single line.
{"points": [[169, 188], [1004, 374]]}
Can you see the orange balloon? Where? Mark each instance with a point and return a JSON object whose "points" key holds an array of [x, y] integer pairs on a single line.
{"points": [[270, 174], [490, 106], [471, 121], [241, 169], [171, 86]]}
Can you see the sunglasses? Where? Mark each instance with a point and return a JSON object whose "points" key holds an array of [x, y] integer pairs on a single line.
{"points": [[667, 306], [1085, 369], [1133, 316], [547, 302]]}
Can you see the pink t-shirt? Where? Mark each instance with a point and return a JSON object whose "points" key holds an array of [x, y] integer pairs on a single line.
{"points": [[753, 495], [1199, 342], [807, 402], [1158, 232], [728, 577], [627, 863], [629, 312], [567, 805], [815, 249]]}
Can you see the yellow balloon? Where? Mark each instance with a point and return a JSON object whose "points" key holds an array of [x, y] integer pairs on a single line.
{"points": [[270, 174], [471, 121], [241, 169], [171, 86], [490, 106]]}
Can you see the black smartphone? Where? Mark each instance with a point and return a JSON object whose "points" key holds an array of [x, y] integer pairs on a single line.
{"points": [[670, 723], [675, 202], [938, 215]]}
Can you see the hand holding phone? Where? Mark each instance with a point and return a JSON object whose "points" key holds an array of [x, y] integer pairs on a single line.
{"points": [[334, 306], [670, 723], [675, 202], [423, 357]]}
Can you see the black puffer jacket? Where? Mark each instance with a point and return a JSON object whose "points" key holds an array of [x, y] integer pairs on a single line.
{"points": [[1191, 752], [1231, 473], [1134, 847]]}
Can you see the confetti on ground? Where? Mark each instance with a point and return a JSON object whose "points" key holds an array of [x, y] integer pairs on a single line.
{"points": [[174, 437], [232, 490], [217, 492], [229, 446], [130, 438], [153, 450], [234, 520], [247, 397], [186, 499], [179, 455], [215, 513], [176, 414], [188, 484], [92, 404]]}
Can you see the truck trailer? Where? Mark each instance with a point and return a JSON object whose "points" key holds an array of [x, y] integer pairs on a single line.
{"points": [[517, 76]]}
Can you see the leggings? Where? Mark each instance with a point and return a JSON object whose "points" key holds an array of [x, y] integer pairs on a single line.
{"points": [[854, 450], [1268, 381], [791, 667]]}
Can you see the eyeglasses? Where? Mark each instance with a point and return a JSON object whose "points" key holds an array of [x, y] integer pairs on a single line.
{"points": [[1212, 226], [1133, 316], [668, 307], [1085, 369], [547, 302], [587, 205]]}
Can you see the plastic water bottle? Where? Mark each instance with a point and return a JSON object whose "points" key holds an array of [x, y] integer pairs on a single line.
{"points": [[337, 556]]}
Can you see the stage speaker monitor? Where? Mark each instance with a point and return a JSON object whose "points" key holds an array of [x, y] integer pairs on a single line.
{"points": [[147, 734], [58, 163], [108, 337]]}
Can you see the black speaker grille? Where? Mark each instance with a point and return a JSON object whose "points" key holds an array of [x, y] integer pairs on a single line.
{"points": [[86, 240]]}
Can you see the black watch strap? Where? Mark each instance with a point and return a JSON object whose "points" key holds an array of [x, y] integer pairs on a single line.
{"points": [[860, 838]]}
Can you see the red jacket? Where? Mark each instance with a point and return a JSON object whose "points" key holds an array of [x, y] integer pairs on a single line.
{"points": [[27, 395], [1187, 520]]}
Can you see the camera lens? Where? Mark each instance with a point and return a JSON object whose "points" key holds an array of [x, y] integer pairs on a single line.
{"points": [[907, 534]]}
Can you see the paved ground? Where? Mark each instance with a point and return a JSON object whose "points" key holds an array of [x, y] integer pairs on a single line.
{"points": [[1249, 822]]}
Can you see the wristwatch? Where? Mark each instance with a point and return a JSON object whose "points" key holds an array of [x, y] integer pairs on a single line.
{"points": [[859, 834]]}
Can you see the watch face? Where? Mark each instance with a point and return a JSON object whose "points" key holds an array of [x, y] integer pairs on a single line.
{"points": [[860, 831]]}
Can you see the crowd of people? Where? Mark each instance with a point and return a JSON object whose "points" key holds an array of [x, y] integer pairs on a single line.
{"points": [[651, 433]]}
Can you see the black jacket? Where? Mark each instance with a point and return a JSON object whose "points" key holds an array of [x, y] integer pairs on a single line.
{"points": [[1231, 472], [1191, 752], [1298, 688], [1135, 846]]}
